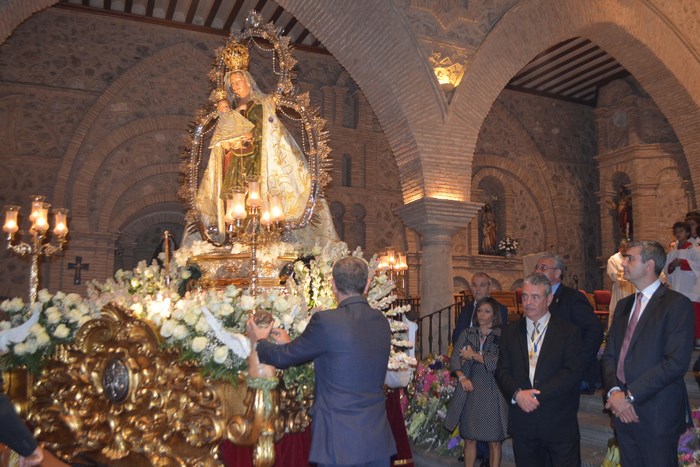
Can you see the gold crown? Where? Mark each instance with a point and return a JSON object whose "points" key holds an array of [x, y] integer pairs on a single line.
{"points": [[217, 95], [236, 56]]}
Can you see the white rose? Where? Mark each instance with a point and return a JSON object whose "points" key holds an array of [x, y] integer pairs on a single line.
{"points": [[166, 330], [199, 343], [382, 279], [42, 339], [20, 349], [61, 331], [36, 329], [202, 325], [84, 308], [281, 305], [72, 299], [287, 319], [74, 316], [247, 303], [5, 325], [13, 305], [225, 309], [180, 332], [53, 316], [191, 317], [185, 274], [44, 296], [221, 354], [301, 325], [59, 295], [83, 319], [30, 346]]}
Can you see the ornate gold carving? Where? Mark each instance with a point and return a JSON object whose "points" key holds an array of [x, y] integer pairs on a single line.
{"points": [[170, 415], [235, 55]]}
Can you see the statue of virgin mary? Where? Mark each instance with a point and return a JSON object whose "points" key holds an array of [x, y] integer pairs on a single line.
{"points": [[264, 150]]}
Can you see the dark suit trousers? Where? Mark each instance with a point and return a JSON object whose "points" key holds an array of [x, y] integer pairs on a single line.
{"points": [[533, 452], [639, 448], [380, 463]]}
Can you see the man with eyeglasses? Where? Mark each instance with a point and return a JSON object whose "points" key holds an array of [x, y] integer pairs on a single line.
{"points": [[481, 288], [572, 306], [538, 371]]}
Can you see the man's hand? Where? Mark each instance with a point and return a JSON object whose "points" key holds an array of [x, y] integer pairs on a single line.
{"points": [[255, 332], [34, 458], [621, 408], [280, 336], [527, 400]]}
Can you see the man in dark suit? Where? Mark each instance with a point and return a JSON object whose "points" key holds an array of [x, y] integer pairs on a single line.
{"points": [[645, 359], [481, 288], [350, 349], [538, 372], [574, 307], [14, 434]]}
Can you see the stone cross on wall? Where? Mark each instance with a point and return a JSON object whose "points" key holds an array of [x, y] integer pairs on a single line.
{"points": [[78, 266]]}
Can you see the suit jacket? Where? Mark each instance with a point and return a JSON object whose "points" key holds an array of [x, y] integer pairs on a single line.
{"points": [[657, 358], [13, 431], [574, 307], [350, 349], [557, 376], [464, 320]]}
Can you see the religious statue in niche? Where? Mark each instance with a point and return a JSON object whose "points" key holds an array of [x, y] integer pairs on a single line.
{"points": [[250, 143], [623, 211], [489, 230]]}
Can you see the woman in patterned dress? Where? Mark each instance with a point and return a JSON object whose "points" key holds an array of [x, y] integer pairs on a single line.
{"points": [[477, 404]]}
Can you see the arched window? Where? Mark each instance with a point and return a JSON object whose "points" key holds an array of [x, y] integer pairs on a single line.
{"points": [[351, 109]]}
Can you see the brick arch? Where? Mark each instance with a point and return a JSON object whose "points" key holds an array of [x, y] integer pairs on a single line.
{"points": [[69, 171], [143, 220], [397, 81], [666, 68], [107, 214], [83, 185], [492, 166], [149, 203]]}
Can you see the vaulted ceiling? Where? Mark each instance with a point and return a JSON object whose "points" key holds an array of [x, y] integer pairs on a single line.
{"points": [[572, 70]]}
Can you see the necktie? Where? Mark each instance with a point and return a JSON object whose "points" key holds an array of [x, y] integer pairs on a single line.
{"points": [[534, 337], [628, 337]]}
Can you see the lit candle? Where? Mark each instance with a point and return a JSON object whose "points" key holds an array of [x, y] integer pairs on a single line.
{"points": [[266, 215], [276, 210], [238, 205], [60, 222], [41, 222], [37, 204], [391, 259], [402, 266], [11, 219], [253, 194]]}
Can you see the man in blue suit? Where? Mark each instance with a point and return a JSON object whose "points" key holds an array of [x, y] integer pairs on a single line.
{"points": [[350, 348], [645, 360]]}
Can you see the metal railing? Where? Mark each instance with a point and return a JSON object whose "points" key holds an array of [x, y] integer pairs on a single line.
{"points": [[435, 321]]}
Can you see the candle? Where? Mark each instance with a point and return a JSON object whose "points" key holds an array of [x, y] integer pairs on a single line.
{"points": [[41, 222], [253, 194], [60, 222], [11, 219], [238, 205], [37, 205], [266, 215], [276, 210]]}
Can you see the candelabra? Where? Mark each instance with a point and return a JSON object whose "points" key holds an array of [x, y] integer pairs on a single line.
{"points": [[38, 246], [396, 266], [253, 220]]}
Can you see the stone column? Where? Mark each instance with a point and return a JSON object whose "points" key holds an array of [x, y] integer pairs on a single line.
{"points": [[436, 221]]}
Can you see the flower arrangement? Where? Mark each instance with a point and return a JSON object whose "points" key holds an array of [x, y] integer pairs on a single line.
{"points": [[427, 407], [37, 329], [508, 246], [208, 326]]}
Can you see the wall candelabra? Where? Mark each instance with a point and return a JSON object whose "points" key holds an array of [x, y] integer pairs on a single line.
{"points": [[40, 244]]}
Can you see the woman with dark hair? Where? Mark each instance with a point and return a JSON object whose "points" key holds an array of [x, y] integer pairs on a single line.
{"points": [[477, 404]]}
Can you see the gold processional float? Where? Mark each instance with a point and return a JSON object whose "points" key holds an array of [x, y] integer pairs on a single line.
{"points": [[116, 394]]}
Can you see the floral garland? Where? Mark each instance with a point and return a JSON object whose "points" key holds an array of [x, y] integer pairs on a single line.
{"points": [[508, 246], [427, 407], [207, 326]]}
